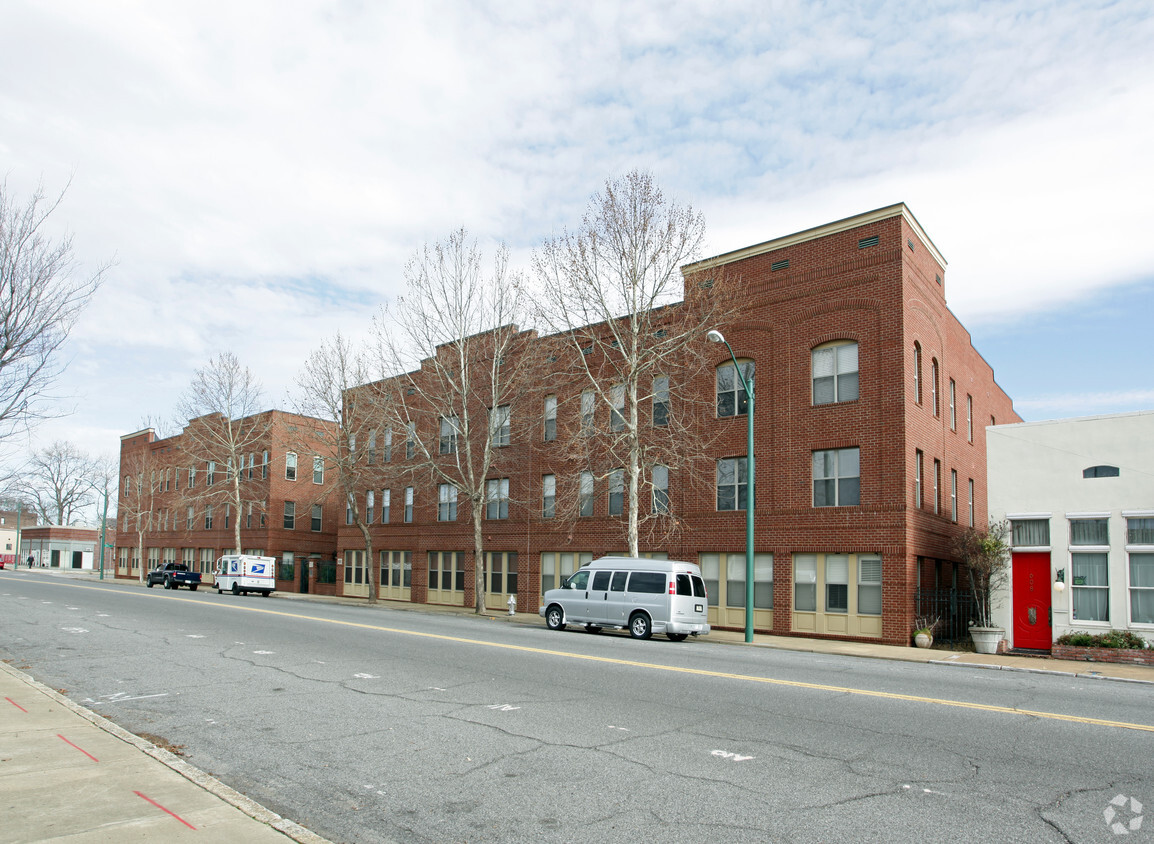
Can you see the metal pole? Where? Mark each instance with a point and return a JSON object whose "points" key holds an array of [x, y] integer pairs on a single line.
{"points": [[103, 528]]}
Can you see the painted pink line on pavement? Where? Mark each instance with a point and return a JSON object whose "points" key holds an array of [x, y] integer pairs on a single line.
{"points": [[18, 706], [78, 747], [168, 811]]}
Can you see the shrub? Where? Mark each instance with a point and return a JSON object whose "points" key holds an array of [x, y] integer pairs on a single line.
{"points": [[1123, 639]]}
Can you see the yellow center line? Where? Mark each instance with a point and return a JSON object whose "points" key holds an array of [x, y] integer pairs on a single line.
{"points": [[697, 672]]}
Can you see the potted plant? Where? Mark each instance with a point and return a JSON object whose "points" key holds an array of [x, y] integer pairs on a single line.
{"points": [[986, 555], [924, 632]]}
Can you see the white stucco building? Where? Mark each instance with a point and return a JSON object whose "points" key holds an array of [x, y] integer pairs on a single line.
{"points": [[1080, 496]]}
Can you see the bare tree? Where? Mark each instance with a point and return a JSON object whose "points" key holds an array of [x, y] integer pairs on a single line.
{"points": [[348, 446], [461, 324], [59, 482], [612, 292], [137, 503], [41, 295], [225, 423]]}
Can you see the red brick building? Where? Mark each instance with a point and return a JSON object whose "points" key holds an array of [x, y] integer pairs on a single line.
{"points": [[870, 418], [181, 507]]}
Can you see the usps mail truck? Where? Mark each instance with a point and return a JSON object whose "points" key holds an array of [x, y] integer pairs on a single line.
{"points": [[244, 573]]}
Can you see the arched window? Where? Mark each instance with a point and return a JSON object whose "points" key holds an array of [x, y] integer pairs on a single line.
{"points": [[732, 400], [835, 372]]}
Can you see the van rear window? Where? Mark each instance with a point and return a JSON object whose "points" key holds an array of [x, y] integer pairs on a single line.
{"points": [[649, 582], [698, 587], [683, 585]]}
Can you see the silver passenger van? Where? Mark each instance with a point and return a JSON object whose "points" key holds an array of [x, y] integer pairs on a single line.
{"points": [[643, 596]]}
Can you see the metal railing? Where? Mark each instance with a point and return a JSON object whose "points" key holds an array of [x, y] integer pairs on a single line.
{"points": [[954, 608]]}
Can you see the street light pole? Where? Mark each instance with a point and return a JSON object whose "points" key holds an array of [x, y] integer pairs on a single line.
{"points": [[717, 337], [103, 527]]}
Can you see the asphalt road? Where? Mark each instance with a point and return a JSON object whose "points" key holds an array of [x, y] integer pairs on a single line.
{"points": [[371, 725]]}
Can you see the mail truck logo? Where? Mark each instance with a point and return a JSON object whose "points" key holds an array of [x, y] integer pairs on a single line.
{"points": [[1123, 815], [258, 569]]}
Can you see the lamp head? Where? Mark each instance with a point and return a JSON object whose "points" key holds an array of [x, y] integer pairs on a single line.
{"points": [[715, 336]]}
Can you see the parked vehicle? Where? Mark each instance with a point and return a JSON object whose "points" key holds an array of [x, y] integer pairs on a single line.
{"points": [[244, 573], [173, 576], [643, 596]]}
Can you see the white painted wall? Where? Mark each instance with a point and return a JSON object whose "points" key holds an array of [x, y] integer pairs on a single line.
{"points": [[1035, 468]]}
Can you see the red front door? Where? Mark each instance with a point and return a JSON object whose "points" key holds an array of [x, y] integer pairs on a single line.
{"points": [[1031, 585]]}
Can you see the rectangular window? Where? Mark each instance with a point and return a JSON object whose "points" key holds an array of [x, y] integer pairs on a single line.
{"points": [[805, 582], [370, 506], [970, 418], [248, 516], [661, 400], [616, 492], [548, 496], [1030, 533], [1140, 531], [919, 459], [836, 583], [348, 509], [500, 425], [953, 405], [210, 473], [208, 517], [386, 501], [387, 454], [1089, 532], [290, 466], [446, 503], [588, 412], [190, 516], [735, 580], [660, 477], [550, 418], [1142, 588], [264, 466], [450, 425], [1090, 590], [497, 498], [227, 516], [971, 516], [869, 586], [410, 440], [251, 465], [408, 504], [617, 407], [191, 479], [585, 494], [937, 486], [371, 459], [762, 581], [317, 514], [835, 373], [318, 470], [732, 399], [836, 478], [934, 387], [290, 515], [732, 483], [953, 495], [286, 570]]}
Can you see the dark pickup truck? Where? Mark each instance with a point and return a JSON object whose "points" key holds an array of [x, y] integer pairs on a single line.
{"points": [[173, 576]]}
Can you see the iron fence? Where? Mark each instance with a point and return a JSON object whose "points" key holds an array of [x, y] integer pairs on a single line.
{"points": [[954, 608]]}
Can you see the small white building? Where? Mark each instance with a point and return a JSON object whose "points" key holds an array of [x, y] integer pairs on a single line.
{"points": [[1079, 494]]}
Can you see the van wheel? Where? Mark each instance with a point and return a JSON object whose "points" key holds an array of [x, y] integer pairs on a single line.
{"points": [[678, 637], [592, 628], [640, 627], [555, 618], [235, 588], [192, 588]]}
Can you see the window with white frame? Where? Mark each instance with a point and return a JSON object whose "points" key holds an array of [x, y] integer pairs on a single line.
{"points": [[660, 478], [805, 582], [869, 586], [837, 583], [290, 515], [191, 479], [661, 400], [208, 517], [408, 504], [248, 515], [1029, 533], [1093, 531], [969, 417], [1139, 530], [264, 466], [918, 372], [953, 495], [971, 505], [585, 494], [953, 405], [500, 425], [446, 503], [919, 460], [550, 418], [937, 486], [588, 412], [189, 517], [732, 483], [732, 399], [934, 403], [370, 506], [227, 516], [210, 473], [290, 466], [410, 440], [450, 425], [318, 470], [251, 465], [548, 496], [1090, 585], [371, 458], [835, 372], [617, 407], [317, 517], [836, 478], [1142, 587], [497, 498], [348, 509], [387, 451], [386, 502], [616, 492]]}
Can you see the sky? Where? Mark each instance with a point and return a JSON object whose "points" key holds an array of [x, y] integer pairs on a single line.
{"points": [[260, 171]]}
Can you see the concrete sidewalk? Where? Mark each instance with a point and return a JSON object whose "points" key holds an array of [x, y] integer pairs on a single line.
{"points": [[69, 774]]}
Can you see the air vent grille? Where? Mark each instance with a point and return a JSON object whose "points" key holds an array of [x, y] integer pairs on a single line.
{"points": [[867, 242], [779, 265]]}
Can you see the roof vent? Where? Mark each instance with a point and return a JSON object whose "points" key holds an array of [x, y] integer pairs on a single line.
{"points": [[938, 279], [705, 285], [779, 265], [866, 242], [910, 244]]}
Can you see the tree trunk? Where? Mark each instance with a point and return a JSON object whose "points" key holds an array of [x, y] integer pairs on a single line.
{"points": [[479, 555]]}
